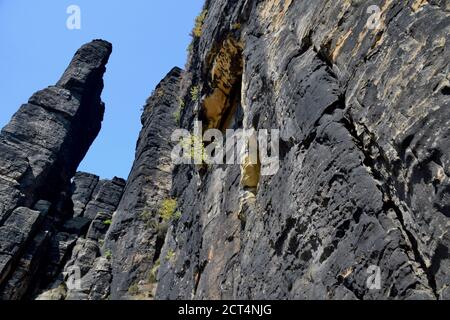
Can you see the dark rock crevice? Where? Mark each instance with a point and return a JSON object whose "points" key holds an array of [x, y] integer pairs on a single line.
{"points": [[342, 202], [362, 184], [385, 185], [47, 138]]}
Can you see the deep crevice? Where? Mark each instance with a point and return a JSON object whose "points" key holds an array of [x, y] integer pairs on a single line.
{"points": [[368, 161]]}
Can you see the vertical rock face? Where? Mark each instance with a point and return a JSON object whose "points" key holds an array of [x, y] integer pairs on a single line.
{"points": [[49, 136], [138, 230], [360, 205], [362, 193], [79, 266], [40, 150]]}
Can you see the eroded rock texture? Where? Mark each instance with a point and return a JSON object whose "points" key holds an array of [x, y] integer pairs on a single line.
{"points": [[362, 191], [138, 230], [364, 172], [79, 266], [40, 150]]}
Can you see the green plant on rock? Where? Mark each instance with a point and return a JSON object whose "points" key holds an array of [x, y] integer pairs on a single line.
{"points": [[108, 254], [177, 114], [107, 222], [177, 117], [170, 256], [195, 92], [153, 274], [197, 148], [145, 215], [133, 290], [167, 209], [199, 21], [177, 216], [236, 26], [181, 103]]}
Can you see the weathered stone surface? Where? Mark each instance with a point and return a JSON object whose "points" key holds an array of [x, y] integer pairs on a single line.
{"points": [[15, 234], [105, 198], [96, 283], [363, 184], [364, 171], [82, 188], [26, 269], [60, 247], [84, 255], [99, 226], [76, 252], [133, 237], [57, 294], [48, 137], [40, 150], [77, 225]]}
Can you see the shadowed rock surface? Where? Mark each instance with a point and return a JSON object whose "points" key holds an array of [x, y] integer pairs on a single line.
{"points": [[364, 171], [362, 192], [41, 148], [79, 253], [138, 230]]}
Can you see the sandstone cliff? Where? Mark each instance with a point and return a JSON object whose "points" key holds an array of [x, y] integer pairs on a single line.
{"points": [[138, 229], [362, 191], [364, 171], [41, 149]]}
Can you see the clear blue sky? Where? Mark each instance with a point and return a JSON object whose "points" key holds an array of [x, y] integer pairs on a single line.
{"points": [[149, 38]]}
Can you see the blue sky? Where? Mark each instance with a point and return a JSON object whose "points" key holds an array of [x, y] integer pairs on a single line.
{"points": [[149, 38]]}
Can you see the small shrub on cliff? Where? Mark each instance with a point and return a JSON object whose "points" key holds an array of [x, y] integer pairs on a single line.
{"points": [[170, 255], [177, 216], [177, 117], [167, 209], [177, 114], [146, 215], [108, 255], [197, 149], [181, 103], [236, 26], [133, 290], [107, 222], [195, 91], [152, 276], [199, 21]]}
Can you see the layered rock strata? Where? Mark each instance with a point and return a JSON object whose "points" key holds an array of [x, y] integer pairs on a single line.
{"points": [[139, 226], [359, 208], [40, 150]]}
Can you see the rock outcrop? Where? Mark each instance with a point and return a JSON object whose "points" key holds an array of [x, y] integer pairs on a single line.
{"points": [[138, 230], [362, 193], [41, 148], [79, 267], [356, 207]]}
